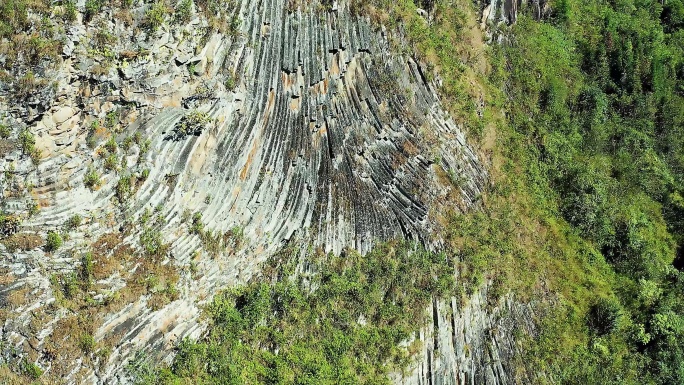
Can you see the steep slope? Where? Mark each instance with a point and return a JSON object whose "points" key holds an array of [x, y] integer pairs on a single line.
{"points": [[294, 123]]}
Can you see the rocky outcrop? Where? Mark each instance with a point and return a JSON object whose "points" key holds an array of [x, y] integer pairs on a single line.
{"points": [[473, 343], [312, 128], [505, 12]]}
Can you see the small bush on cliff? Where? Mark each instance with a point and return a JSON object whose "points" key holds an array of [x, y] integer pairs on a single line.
{"points": [[87, 343], [32, 207], [73, 222], [91, 179], [4, 131], [92, 8], [124, 189], [53, 242], [111, 162], [183, 11], [9, 224], [155, 15], [111, 145], [27, 144], [152, 242], [86, 269], [197, 225], [70, 12], [191, 124], [31, 370]]}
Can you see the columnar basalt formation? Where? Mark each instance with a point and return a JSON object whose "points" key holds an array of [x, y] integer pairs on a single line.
{"points": [[313, 128]]}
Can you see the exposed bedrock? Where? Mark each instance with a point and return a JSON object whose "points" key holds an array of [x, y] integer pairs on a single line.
{"points": [[312, 128], [473, 343], [496, 12]]}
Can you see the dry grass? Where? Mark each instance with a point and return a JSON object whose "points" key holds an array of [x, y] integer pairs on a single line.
{"points": [[62, 344], [8, 377], [110, 255], [6, 146], [6, 277], [18, 297], [23, 241]]}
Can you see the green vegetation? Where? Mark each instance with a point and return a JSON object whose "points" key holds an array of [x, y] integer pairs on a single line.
{"points": [[53, 242], [74, 222], [86, 269], [183, 11], [70, 12], [288, 333], [124, 188], [595, 108], [5, 131], [197, 226], [155, 15], [27, 144], [103, 39], [92, 8], [111, 120], [92, 179], [32, 207], [86, 343], [191, 124], [144, 148], [9, 224], [126, 144], [152, 242], [111, 163], [111, 145], [586, 209], [31, 370], [13, 16], [230, 82]]}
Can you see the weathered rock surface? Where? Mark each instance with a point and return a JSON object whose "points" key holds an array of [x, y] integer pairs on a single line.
{"points": [[497, 12], [317, 131], [473, 343]]}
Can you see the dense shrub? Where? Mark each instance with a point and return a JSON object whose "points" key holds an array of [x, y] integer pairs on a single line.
{"points": [[31, 370], [92, 8], [191, 124], [263, 333], [73, 222], [5, 131], [183, 11], [53, 241], [603, 316], [91, 179], [124, 189], [86, 343], [151, 241], [155, 15]]}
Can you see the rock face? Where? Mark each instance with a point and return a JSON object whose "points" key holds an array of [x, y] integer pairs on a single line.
{"points": [[473, 343], [315, 129], [495, 12]]}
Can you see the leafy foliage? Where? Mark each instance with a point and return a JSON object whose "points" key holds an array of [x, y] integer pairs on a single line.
{"points": [[155, 15], [341, 325], [54, 241], [124, 188], [595, 105], [191, 124], [73, 222], [92, 179], [183, 11]]}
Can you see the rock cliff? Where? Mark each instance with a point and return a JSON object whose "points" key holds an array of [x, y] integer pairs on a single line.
{"points": [[289, 121]]}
